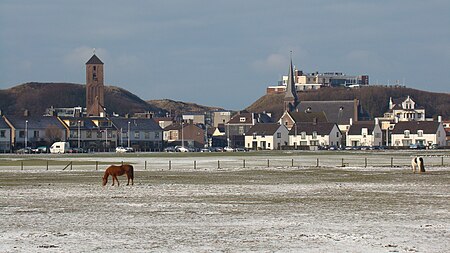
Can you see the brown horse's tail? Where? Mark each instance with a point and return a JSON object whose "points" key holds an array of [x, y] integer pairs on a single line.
{"points": [[131, 172]]}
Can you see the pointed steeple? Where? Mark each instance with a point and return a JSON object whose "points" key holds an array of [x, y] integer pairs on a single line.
{"points": [[94, 60], [290, 96]]}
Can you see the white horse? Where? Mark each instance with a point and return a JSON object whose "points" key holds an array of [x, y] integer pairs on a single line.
{"points": [[417, 162]]}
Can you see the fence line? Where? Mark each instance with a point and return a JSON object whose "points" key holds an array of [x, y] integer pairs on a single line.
{"points": [[230, 163]]}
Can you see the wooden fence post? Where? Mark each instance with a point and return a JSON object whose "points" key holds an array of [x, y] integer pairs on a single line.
{"points": [[268, 163], [365, 162], [244, 163], [47, 164], [343, 162], [195, 165], [218, 164], [96, 165], [317, 165], [392, 162], [145, 165], [170, 164], [21, 165], [292, 162]]}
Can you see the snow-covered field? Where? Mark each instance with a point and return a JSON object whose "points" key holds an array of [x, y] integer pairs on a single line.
{"points": [[233, 209]]}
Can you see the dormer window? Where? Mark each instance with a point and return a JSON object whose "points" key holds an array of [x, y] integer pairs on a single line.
{"points": [[242, 119], [420, 133], [406, 133]]}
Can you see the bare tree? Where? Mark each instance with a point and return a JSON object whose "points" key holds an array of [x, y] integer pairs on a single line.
{"points": [[53, 134]]}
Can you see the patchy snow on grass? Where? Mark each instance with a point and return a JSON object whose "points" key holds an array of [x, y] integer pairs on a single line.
{"points": [[235, 209]]}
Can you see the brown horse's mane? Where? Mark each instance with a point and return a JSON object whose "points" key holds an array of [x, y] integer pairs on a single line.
{"points": [[119, 170]]}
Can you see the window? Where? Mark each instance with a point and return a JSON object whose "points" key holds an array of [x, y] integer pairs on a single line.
{"points": [[268, 145], [303, 134], [136, 134], [36, 134], [147, 135], [337, 134], [241, 130], [2, 133], [21, 134], [406, 133], [254, 136], [99, 134], [420, 133], [242, 119], [278, 135], [314, 135], [89, 134], [156, 135]]}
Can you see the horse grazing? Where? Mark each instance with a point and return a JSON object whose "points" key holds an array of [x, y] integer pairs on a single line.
{"points": [[417, 162], [115, 171]]}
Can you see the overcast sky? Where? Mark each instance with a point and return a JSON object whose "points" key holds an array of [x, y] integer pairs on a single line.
{"points": [[223, 53]]}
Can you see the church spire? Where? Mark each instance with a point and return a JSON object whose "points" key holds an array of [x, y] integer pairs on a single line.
{"points": [[290, 97]]}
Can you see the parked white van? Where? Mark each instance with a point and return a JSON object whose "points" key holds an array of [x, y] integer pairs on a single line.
{"points": [[59, 147]]}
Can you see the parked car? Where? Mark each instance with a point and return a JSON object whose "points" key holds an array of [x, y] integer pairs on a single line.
{"points": [[170, 149], [240, 150], [124, 149], [40, 149], [181, 149], [26, 150], [228, 149], [76, 150]]}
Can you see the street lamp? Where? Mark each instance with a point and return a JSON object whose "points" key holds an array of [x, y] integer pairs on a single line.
{"points": [[128, 133], [26, 133], [106, 138], [79, 122], [182, 137]]}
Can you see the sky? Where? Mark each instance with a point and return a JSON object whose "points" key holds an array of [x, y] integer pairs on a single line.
{"points": [[224, 53]]}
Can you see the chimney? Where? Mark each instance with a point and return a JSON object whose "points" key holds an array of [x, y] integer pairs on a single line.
{"points": [[396, 119], [314, 121], [26, 113], [1, 113], [351, 121], [377, 121], [439, 118]]}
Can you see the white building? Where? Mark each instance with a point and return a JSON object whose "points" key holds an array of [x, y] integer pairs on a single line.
{"points": [[315, 134], [5, 136], [266, 136], [364, 133], [424, 133]]}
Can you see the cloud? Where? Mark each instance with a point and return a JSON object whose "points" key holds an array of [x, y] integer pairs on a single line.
{"points": [[273, 61]]}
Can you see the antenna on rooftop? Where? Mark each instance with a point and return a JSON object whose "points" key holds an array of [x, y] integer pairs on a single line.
{"points": [[93, 50]]}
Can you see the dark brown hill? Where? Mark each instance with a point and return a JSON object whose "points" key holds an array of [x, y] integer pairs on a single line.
{"points": [[36, 97], [374, 100], [177, 107]]}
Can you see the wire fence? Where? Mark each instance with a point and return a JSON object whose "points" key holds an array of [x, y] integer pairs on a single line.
{"points": [[221, 163]]}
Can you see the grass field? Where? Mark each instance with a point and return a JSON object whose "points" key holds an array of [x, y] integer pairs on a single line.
{"points": [[233, 209]]}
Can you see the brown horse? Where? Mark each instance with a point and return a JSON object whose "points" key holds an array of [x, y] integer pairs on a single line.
{"points": [[115, 171]]}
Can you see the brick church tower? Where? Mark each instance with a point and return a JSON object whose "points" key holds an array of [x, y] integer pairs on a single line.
{"points": [[95, 92]]}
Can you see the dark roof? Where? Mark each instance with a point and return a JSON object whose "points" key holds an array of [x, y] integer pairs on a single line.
{"points": [[263, 129], [236, 118], [34, 122], [3, 124], [338, 112], [356, 127], [136, 124], [305, 117], [94, 60], [428, 127], [323, 128], [259, 118]]}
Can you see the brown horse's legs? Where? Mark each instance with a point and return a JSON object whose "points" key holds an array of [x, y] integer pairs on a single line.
{"points": [[117, 180]]}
